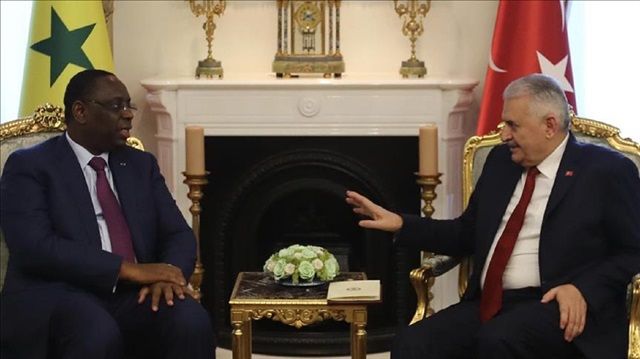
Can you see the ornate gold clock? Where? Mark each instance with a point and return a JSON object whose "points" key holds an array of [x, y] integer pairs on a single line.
{"points": [[308, 16], [308, 38]]}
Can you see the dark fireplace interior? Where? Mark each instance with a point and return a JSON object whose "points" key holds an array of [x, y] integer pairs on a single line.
{"points": [[266, 193]]}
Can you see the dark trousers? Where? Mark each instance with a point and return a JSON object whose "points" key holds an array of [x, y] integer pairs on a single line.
{"points": [[85, 326], [525, 328]]}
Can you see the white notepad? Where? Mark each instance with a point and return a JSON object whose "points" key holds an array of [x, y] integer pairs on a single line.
{"points": [[354, 290]]}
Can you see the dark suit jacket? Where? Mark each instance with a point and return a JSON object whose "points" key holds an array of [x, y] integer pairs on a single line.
{"points": [[590, 234], [50, 228]]}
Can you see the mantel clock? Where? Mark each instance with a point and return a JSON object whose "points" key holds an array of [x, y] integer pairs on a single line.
{"points": [[308, 38]]}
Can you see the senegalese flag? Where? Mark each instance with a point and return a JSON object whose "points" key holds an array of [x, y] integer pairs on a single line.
{"points": [[66, 37]]}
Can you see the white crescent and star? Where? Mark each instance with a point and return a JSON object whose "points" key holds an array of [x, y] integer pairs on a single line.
{"points": [[556, 71]]}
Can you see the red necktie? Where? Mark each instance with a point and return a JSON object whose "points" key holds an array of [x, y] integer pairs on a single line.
{"points": [[112, 213], [491, 300]]}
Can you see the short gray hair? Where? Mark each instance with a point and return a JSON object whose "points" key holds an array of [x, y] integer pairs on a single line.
{"points": [[546, 93]]}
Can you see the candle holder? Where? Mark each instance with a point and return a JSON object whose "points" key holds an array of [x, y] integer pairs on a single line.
{"points": [[208, 67], [428, 184], [195, 183], [412, 14]]}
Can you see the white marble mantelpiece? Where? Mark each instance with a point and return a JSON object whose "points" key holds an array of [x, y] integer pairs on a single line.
{"points": [[355, 105]]}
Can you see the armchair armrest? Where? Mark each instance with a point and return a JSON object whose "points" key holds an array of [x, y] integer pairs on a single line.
{"points": [[423, 278], [633, 297]]}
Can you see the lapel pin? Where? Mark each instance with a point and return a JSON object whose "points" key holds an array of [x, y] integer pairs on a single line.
{"points": [[568, 173], [123, 163]]}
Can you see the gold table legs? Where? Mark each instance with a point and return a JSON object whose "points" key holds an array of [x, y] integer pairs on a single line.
{"points": [[241, 336], [358, 319]]}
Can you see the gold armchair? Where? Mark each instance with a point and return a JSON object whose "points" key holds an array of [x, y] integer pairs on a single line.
{"points": [[476, 150], [47, 121], [633, 300]]}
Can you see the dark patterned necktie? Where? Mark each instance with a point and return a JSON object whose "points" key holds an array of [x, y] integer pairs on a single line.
{"points": [[491, 300], [112, 213]]}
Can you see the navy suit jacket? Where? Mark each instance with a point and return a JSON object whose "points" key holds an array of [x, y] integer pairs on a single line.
{"points": [[49, 224], [590, 235]]}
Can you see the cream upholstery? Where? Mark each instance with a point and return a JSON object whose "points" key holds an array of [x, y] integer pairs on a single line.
{"points": [[47, 121], [476, 151]]}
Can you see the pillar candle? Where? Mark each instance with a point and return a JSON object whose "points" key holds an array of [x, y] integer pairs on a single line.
{"points": [[194, 140], [428, 155]]}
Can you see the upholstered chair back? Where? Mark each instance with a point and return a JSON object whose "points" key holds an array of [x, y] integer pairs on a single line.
{"points": [[46, 122]]}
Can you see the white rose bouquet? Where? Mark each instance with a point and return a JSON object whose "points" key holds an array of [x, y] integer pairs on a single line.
{"points": [[302, 263]]}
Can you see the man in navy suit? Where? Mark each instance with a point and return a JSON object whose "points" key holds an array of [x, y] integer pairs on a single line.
{"points": [[562, 293], [70, 292]]}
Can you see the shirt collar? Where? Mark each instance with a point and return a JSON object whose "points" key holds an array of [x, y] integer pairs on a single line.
{"points": [[82, 154], [549, 166]]}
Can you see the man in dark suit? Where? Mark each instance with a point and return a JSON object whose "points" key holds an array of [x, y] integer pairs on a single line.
{"points": [[553, 226], [99, 257]]}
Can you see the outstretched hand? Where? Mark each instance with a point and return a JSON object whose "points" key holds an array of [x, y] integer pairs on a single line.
{"points": [[381, 218]]}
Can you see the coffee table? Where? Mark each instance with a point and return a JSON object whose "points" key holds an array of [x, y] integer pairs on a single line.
{"points": [[256, 296]]}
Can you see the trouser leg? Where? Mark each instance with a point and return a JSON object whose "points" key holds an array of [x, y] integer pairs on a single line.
{"points": [[525, 329], [181, 331], [80, 327], [448, 334]]}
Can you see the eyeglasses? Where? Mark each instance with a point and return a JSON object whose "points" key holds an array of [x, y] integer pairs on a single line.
{"points": [[117, 106]]}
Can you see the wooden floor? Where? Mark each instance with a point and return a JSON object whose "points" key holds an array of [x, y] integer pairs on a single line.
{"points": [[226, 354]]}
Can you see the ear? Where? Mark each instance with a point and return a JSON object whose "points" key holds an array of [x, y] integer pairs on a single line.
{"points": [[551, 125], [79, 111]]}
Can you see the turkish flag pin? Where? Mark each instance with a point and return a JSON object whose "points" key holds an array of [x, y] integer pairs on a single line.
{"points": [[568, 173]]}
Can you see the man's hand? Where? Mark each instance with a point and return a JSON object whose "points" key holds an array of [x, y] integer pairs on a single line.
{"points": [[160, 289], [167, 291], [380, 218], [149, 273], [573, 309]]}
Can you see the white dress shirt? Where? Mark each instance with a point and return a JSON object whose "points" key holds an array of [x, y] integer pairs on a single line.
{"points": [[90, 177], [523, 269]]}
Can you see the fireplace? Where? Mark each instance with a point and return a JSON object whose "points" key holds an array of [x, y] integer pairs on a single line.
{"points": [[281, 153], [280, 191]]}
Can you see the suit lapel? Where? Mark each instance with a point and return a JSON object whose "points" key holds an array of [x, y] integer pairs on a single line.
{"points": [[124, 178], [564, 177], [74, 179]]}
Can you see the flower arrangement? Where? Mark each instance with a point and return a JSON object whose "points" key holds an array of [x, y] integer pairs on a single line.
{"points": [[302, 263]]}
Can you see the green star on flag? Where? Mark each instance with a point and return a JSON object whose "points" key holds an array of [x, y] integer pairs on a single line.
{"points": [[66, 37], [64, 46]]}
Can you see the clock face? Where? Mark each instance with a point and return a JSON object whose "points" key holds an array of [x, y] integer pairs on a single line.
{"points": [[308, 15]]}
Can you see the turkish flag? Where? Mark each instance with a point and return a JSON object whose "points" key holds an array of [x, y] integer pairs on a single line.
{"points": [[529, 37]]}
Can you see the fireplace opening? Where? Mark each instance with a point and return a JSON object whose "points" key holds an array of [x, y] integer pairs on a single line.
{"points": [[266, 193], [312, 212]]}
